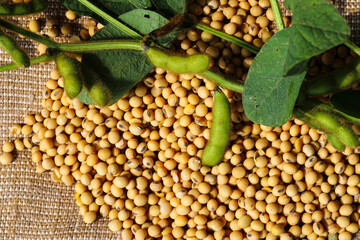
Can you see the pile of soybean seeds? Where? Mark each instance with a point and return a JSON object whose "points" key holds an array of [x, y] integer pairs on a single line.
{"points": [[137, 162]]}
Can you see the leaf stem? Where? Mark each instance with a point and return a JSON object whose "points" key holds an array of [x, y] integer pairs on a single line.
{"points": [[41, 58], [277, 14], [353, 47], [98, 46], [111, 20], [223, 80], [229, 38]]}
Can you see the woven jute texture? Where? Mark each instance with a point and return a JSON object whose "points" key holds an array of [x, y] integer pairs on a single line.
{"points": [[31, 205]]}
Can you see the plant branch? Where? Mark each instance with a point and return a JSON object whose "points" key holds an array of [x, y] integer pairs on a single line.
{"points": [[98, 46], [223, 80], [353, 47], [229, 38], [111, 20], [41, 58], [277, 14]]}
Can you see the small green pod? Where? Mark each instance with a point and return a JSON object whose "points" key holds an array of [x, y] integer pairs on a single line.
{"points": [[70, 69], [21, 9], [100, 94], [348, 136], [335, 142], [220, 130], [308, 118], [326, 120], [190, 64], [344, 133], [19, 56], [332, 81], [96, 88]]}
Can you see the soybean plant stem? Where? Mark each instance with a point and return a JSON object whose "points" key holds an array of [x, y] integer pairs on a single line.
{"points": [[353, 47], [277, 14], [111, 20], [41, 58], [223, 80], [98, 46], [229, 38]]}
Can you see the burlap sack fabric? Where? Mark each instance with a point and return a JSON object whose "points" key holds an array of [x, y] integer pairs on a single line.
{"points": [[31, 205]]}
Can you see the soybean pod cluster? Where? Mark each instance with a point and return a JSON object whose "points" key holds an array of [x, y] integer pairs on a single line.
{"points": [[75, 81], [19, 56]]}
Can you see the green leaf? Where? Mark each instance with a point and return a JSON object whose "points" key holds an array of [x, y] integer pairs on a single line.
{"points": [[119, 7], [347, 102], [116, 7], [288, 4], [144, 21], [110, 32], [318, 27], [269, 97], [167, 40], [119, 70], [170, 7]]}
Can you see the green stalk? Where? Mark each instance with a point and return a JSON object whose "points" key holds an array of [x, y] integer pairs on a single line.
{"points": [[98, 46], [111, 20], [41, 58], [277, 14], [223, 80], [229, 38], [353, 47]]}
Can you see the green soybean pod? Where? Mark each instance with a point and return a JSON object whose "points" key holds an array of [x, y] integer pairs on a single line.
{"points": [[332, 81], [100, 94], [21, 9], [339, 114], [321, 117], [344, 133], [19, 56], [70, 69], [335, 142], [220, 130], [190, 64], [304, 115], [97, 90]]}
